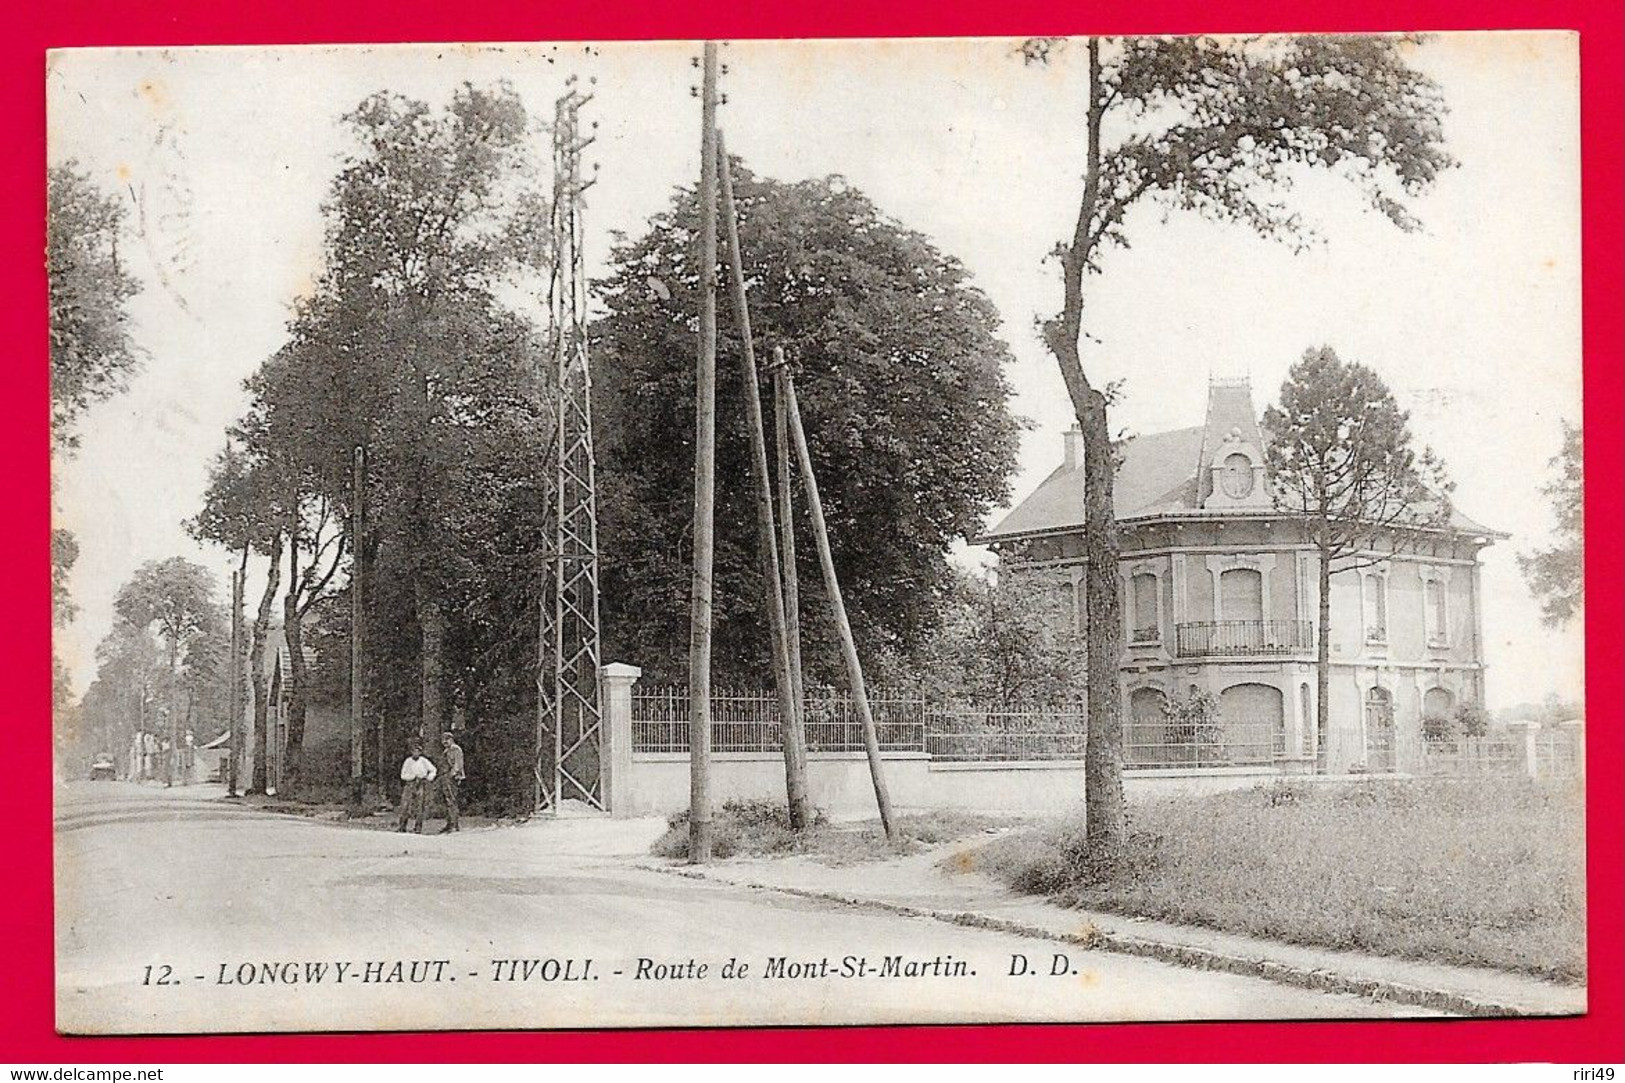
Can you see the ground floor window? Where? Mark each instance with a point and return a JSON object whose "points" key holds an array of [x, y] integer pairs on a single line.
{"points": [[1146, 743], [1253, 717]]}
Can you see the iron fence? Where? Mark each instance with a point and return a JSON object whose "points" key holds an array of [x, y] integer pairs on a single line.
{"points": [[749, 721], [1560, 753], [1494, 756], [1165, 743], [1207, 639], [967, 733]]}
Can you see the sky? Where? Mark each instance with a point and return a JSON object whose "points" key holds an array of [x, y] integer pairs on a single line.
{"points": [[223, 158]]}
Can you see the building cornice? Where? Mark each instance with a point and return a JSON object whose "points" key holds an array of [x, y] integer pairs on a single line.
{"points": [[1209, 515]]}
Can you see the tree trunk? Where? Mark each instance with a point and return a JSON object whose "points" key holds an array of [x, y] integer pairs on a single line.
{"points": [[1103, 625], [357, 636], [256, 669], [432, 628], [1323, 657], [293, 631], [1104, 815]]}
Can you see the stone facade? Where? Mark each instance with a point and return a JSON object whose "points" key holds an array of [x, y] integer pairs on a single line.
{"points": [[1220, 596]]}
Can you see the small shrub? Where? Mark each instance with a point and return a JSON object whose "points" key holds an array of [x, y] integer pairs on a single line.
{"points": [[1471, 720], [1438, 727], [1194, 724], [753, 826], [1281, 793]]}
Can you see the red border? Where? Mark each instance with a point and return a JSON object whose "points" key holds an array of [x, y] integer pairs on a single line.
{"points": [[26, 1022]]}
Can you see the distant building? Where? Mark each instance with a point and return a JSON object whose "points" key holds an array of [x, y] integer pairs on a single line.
{"points": [[1220, 595]]}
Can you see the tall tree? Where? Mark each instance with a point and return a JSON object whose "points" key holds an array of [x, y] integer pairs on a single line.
{"points": [[404, 348], [1218, 126], [92, 352], [903, 393], [131, 681], [174, 598], [425, 218], [1556, 574], [1340, 453], [289, 485], [242, 511]]}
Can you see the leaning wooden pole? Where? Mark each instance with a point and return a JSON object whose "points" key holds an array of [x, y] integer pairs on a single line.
{"points": [[705, 440], [832, 587], [787, 538], [358, 731], [795, 745]]}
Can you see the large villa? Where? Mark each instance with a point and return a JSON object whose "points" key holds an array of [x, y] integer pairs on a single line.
{"points": [[1219, 593]]}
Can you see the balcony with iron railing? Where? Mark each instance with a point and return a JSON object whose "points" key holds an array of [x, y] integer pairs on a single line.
{"points": [[1222, 638]]}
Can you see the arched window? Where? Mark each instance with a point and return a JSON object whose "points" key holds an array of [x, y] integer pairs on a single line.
{"points": [[1379, 730], [1146, 742], [1254, 718], [1437, 702], [1147, 627], [1241, 594]]}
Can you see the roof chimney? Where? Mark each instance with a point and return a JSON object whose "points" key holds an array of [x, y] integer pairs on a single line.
{"points": [[1072, 448]]}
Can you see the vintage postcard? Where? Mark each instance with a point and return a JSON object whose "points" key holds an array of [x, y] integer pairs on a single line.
{"points": [[816, 532]]}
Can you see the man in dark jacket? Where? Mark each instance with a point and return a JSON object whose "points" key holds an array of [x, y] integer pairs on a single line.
{"points": [[451, 777]]}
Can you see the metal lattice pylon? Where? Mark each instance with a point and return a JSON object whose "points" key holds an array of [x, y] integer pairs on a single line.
{"points": [[569, 713]]}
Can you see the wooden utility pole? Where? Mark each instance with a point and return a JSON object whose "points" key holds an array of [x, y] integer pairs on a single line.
{"points": [[787, 538], [235, 701], [832, 587], [358, 731], [795, 745], [705, 439]]}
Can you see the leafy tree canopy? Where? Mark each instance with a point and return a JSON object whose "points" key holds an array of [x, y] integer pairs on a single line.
{"points": [[1340, 450], [901, 384], [1004, 642], [175, 599], [1556, 574], [92, 353]]}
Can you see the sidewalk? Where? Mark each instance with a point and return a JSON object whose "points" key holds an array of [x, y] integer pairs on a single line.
{"points": [[919, 885]]}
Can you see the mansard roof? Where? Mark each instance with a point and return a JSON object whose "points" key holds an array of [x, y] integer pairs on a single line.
{"points": [[1163, 475]]}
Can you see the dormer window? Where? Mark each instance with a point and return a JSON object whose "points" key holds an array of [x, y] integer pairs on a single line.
{"points": [[1235, 473], [1237, 476]]}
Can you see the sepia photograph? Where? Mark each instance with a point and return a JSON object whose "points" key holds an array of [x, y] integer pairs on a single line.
{"points": [[816, 532]]}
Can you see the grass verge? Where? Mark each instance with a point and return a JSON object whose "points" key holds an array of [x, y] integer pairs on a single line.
{"points": [[1483, 873], [762, 829]]}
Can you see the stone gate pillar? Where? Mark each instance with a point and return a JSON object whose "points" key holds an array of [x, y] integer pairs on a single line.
{"points": [[615, 757]]}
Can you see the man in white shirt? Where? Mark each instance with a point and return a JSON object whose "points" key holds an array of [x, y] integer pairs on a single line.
{"points": [[417, 772]]}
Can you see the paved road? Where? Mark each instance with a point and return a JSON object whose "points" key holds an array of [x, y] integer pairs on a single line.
{"points": [[180, 912]]}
